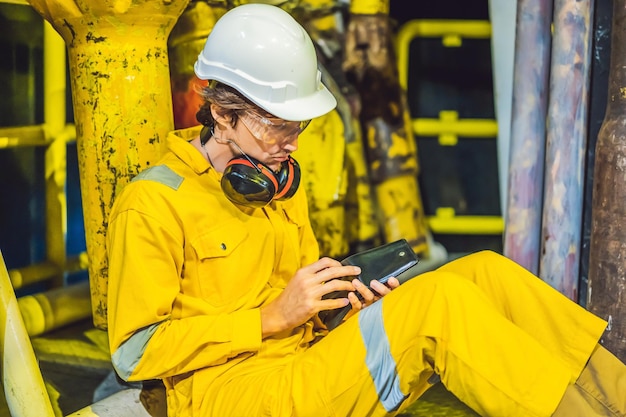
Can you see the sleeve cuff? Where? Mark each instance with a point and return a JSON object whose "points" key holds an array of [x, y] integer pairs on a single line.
{"points": [[247, 331]]}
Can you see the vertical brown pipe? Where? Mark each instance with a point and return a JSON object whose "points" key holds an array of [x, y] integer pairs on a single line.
{"points": [[607, 253]]}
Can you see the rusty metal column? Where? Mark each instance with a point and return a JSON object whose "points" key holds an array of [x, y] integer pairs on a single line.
{"points": [[390, 146], [122, 104], [607, 252], [566, 145], [528, 133]]}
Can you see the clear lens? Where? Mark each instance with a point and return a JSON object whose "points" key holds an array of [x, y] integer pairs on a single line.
{"points": [[271, 130]]}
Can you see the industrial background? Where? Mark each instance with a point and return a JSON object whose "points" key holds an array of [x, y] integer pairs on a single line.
{"points": [[461, 125]]}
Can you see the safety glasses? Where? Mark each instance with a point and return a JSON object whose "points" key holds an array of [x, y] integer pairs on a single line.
{"points": [[271, 130]]}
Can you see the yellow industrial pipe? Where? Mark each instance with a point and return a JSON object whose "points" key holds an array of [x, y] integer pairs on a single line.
{"points": [[121, 96], [24, 387], [56, 150], [31, 274], [53, 309]]}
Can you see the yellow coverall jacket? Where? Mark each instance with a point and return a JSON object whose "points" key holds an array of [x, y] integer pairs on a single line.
{"points": [[188, 272]]}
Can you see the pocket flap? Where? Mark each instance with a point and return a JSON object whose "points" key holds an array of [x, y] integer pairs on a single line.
{"points": [[221, 240]]}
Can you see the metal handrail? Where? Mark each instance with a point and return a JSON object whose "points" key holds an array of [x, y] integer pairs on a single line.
{"points": [[23, 383]]}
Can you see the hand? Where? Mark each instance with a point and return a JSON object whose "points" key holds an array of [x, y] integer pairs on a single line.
{"points": [[367, 295], [302, 298]]}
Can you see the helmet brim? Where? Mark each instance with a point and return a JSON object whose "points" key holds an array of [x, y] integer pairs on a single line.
{"points": [[306, 107], [303, 108]]}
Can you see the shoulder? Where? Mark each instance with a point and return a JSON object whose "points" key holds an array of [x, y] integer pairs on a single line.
{"points": [[152, 192], [161, 174]]}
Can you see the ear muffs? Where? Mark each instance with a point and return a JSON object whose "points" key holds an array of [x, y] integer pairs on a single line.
{"points": [[249, 182]]}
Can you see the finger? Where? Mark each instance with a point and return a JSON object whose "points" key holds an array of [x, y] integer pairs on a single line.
{"points": [[368, 296], [333, 303], [339, 272], [335, 285], [357, 304], [321, 264], [381, 289], [393, 282]]}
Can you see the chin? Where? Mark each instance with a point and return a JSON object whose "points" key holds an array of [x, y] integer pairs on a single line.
{"points": [[275, 167]]}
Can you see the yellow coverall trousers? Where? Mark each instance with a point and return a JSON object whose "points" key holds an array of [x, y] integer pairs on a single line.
{"points": [[503, 341]]}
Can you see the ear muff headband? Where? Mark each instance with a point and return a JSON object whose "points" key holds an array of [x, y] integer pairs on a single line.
{"points": [[251, 183]]}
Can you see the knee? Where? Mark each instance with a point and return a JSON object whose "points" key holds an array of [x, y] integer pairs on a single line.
{"points": [[468, 264], [445, 282], [487, 256], [452, 283], [485, 260]]}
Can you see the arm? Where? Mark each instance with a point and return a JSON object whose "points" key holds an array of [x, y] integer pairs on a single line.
{"points": [[145, 269]]}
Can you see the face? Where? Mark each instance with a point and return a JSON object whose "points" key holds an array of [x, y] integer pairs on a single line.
{"points": [[267, 138]]}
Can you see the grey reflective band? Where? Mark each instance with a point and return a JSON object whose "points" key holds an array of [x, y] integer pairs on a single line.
{"points": [[161, 174], [127, 356], [378, 358]]}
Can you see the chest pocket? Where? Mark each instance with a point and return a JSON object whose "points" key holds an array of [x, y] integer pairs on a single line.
{"points": [[221, 274]]}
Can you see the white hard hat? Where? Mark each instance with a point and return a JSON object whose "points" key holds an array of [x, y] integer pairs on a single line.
{"points": [[262, 52]]}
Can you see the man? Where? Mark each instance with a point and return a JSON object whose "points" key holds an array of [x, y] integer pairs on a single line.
{"points": [[215, 283]]}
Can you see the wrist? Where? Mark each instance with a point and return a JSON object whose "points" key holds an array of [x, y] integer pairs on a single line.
{"points": [[271, 322]]}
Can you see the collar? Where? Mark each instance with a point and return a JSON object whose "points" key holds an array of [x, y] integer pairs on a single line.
{"points": [[178, 144]]}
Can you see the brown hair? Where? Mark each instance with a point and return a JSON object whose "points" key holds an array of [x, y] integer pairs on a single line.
{"points": [[227, 98]]}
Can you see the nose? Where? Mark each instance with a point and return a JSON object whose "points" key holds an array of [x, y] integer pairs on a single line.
{"points": [[291, 143]]}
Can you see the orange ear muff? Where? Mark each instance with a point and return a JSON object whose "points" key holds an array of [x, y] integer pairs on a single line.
{"points": [[251, 183], [288, 179]]}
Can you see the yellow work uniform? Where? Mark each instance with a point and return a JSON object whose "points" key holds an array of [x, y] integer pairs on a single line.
{"points": [[188, 272]]}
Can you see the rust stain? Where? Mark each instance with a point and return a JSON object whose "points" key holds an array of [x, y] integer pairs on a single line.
{"points": [[90, 37]]}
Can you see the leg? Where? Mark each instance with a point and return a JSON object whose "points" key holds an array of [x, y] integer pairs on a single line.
{"points": [[438, 322], [566, 329], [467, 327], [599, 391]]}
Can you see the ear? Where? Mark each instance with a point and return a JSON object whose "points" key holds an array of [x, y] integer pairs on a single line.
{"points": [[221, 116]]}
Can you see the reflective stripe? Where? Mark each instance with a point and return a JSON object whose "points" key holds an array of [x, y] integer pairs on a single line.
{"points": [[161, 174], [378, 358], [127, 356]]}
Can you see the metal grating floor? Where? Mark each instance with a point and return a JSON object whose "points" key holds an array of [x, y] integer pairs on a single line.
{"points": [[438, 402]]}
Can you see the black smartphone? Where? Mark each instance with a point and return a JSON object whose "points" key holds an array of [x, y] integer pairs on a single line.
{"points": [[380, 264]]}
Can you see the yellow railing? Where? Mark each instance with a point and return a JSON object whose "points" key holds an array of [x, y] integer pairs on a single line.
{"points": [[54, 135], [448, 128]]}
